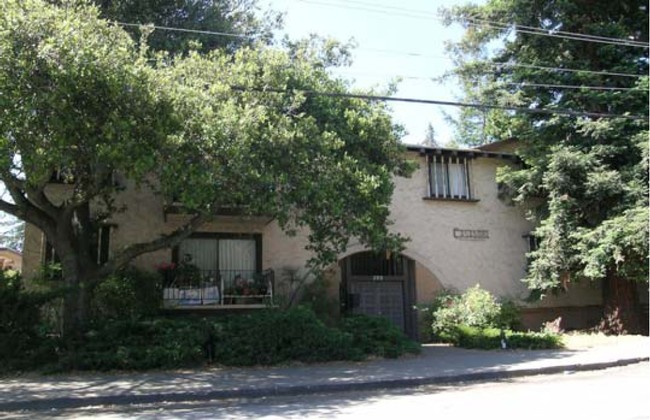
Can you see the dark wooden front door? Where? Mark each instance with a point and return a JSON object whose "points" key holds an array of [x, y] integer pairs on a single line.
{"points": [[380, 286]]}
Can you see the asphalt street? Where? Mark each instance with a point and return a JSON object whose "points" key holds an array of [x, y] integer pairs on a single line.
{"points": [[617, 393]]}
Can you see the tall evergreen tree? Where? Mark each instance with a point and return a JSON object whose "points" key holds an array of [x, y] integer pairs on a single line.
{"points": [[430, 137], [585, 178]]}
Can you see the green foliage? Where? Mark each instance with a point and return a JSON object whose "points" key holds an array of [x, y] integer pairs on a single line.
{"points": [[271, 337], [128, 294], [476, 307], [23, 343], [378, 336], [475, 319], [229, 16], [584, 180], [266, 337], [509, 315], [619, 242], [491, 338], [141, 345], [316, 296], [78, 94]]}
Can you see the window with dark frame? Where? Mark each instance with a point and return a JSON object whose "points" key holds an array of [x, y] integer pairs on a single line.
{"points": [[100, 252], [222, 252], [532, 242], [449, 177]]}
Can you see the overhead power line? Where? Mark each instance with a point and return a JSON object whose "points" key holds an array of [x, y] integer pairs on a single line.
{"points": [[192, 31], [395, 52], [522, 84], [564, 34], [442, 103], [560, 86], [502, 24], [497, 64], [421, 14]]}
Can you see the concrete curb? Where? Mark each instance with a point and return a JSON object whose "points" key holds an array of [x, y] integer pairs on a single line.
{"points": [[76, 402]]}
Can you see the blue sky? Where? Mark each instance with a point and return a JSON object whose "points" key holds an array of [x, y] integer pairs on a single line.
{"points": [[423, 34]]}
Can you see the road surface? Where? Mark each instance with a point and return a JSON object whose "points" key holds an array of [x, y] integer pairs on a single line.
{"points": [[617, 394]]}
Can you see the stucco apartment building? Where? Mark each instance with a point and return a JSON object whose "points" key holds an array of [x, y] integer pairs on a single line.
{"points": [[461, 234]]}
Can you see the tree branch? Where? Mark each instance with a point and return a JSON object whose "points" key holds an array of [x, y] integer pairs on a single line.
{"points": [[11, 209], [35, 197], [31, 214], [165, 241], [38, 197]]}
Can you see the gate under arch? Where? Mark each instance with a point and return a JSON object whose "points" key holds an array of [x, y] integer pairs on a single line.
{"points": [[374, 284]]}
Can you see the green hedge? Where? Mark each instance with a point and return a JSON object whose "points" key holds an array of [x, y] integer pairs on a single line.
{"points": [[128, 294], [490, 338], [141, 345], [24, 343], [273, 336], [378, 336], [267, 337]]}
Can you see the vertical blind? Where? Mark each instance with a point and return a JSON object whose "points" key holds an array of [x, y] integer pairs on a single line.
{"points": [[220, 254]]}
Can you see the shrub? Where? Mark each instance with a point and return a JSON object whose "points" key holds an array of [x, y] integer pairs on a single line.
{"points": [[128, 294], [260, 338], [316, 297], [137, 344], [509, 316], [273, 336], [490, 338], [475, 308], [23, 343], [378, 336]]}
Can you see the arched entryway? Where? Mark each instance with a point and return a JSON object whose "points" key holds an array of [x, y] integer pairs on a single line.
{"points": [[375, 284]]}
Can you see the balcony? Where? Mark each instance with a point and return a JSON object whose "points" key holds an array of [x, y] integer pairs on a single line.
{"points": [[219, 289]]}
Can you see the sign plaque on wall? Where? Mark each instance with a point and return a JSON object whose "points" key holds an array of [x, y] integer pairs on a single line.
{"points": [[471, 234]]}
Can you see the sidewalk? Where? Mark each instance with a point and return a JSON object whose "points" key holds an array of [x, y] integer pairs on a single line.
{"points": [[436, 364]]}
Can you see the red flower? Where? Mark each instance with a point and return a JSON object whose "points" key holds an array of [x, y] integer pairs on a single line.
{"points": [[165, 266]]}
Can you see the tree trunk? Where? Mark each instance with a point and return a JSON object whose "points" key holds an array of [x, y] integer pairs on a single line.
{"points": [[76, 302], [622, 311]]}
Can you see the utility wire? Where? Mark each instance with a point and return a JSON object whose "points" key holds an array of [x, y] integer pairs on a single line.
{"points": [[192, 31], [497, 64], [394, 52], [389, 10], [442, 103], [560, 86], [522, 84], [494, 23], [560, 32]]}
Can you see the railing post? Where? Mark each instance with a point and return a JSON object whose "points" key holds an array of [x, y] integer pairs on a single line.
{"points": [[221, 288]]}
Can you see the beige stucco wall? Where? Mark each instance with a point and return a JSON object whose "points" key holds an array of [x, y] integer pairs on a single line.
{"points": [[426, 285], [33, 248], [497, 263]]}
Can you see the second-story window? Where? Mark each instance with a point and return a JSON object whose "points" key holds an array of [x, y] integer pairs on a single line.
{"points": [[449, 177]]}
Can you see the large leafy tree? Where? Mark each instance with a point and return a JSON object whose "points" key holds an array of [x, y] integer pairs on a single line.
{"points": [[240, 21], [584, 178], [76, 94]]}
